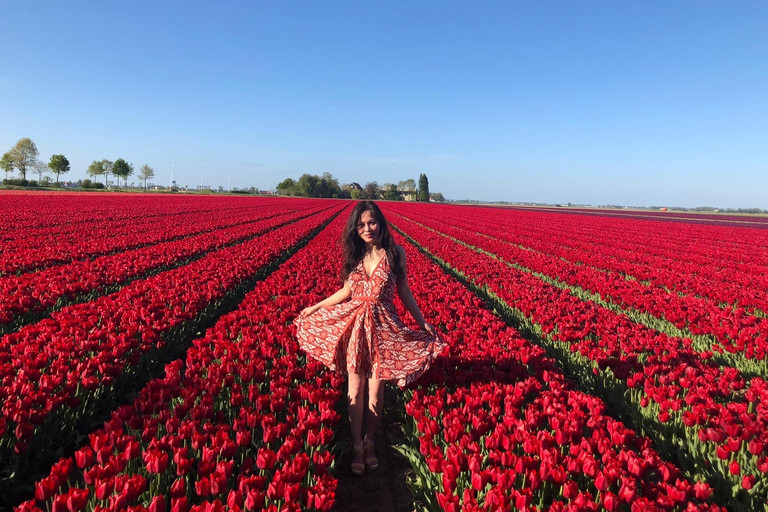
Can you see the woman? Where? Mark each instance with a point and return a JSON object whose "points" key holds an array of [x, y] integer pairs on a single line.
{"points": [[357, 329]]}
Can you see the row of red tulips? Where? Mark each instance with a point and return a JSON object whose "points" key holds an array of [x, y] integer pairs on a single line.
{"points": [[732, 329], [57, 372], [88, 231], [722, 250], [692, 217], [33, 253], [243, 423], [724, 264], [496, 424], [32, 215], [732, 220], [32, 294], [720, 263], [715, 416]]}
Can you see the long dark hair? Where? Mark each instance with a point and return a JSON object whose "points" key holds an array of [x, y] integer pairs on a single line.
{"points": [[354, 248]]}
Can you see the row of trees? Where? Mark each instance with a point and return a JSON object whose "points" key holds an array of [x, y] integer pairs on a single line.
{"points": [[119, 169], [23, 158], [309, 185]]}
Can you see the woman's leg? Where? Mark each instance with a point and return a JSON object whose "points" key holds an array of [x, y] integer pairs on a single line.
{"points": [[372, 420], [375, 406], [356, 401]]}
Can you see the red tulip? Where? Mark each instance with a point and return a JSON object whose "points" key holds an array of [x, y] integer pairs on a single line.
{"points": [[235, 500], [266, 458], [479, 481], [276, 490], [292, 492], [156, 462], [84, 457], [203, 486], [45, 488], [254, 500], [218, 483], [77, 499], [179, 488], [118, 501], [570, 489], [601, 483], [157, 504], [180, 504], [104, 488], [60, 503]]}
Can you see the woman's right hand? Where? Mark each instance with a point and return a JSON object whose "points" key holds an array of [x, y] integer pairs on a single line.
{"points": [[308, 311]]}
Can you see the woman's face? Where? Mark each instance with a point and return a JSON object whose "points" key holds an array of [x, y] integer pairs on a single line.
{"points": [[368, 228]]}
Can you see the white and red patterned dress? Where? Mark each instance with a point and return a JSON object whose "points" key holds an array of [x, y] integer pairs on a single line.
{"points": [[365, 335]]}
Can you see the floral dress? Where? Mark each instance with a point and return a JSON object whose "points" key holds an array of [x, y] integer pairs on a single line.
{"points": [[365, 335]]}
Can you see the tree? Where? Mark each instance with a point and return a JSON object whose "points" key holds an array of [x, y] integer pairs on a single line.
{"points": [[307, 186], [286, 187], [146, 173], [391, 193], [107, 166], [40, 168], [439, 197], [24, 154], [7, 163], [95, 169], [91, 184], [371, 190], [423, 188], [329, 186], [310, 185], [407, 185], [59, 165], [122, 169]]}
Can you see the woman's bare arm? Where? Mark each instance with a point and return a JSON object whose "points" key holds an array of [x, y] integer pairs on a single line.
{"points": [[405, 294], [340, 296]]}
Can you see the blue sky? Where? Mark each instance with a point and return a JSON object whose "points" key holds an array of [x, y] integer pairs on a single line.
{"points": [[594, 102]]}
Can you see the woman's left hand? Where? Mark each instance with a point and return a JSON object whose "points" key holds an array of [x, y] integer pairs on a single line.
{"points": [[429, 328]]}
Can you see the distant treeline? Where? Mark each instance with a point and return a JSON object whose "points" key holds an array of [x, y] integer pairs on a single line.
{"points": [[309, 185]]}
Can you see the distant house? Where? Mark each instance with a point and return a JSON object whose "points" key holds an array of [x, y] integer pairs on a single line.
{"points": [[408, 194], [353, 185]]}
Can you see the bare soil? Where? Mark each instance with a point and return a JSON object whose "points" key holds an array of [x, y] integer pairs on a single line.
{"points": [[382, 490]]}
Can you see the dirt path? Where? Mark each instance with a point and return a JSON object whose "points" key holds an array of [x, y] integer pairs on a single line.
{"points": [[383, 490]]}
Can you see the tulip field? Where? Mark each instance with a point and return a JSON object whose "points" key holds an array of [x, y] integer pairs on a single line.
{"points": [[597, 360]]}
